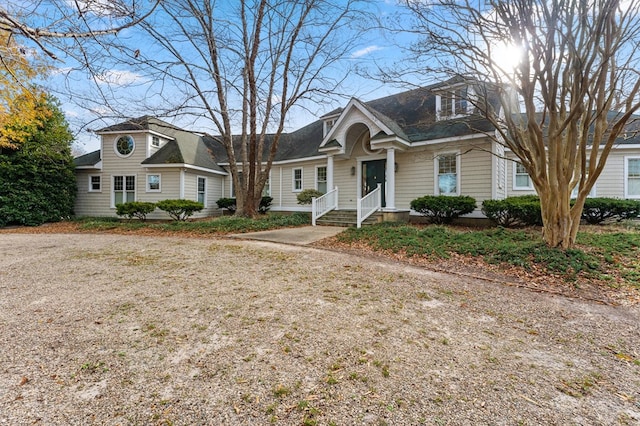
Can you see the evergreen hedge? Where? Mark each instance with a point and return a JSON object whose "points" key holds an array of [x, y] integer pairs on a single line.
{"points": [[443, 208]]}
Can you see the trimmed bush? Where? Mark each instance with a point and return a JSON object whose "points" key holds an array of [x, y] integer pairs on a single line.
{"points": [[180, 210], [514, 211], [227, 203], [598, 210], [230, 204], [137, 209], [307, 195], [265, 204], [442, 208]]}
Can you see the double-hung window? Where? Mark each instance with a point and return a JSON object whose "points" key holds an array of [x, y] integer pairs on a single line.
{"points": [[124, 189], [321, 179], [153, 183], [521, 179], [447, 175], [453, 103], [632, 177], [95, 183], [297, 180], [202, 190]]}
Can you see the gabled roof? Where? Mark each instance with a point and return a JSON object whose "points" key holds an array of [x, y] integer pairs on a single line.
{"points": [[187, 148], [87, 160]]}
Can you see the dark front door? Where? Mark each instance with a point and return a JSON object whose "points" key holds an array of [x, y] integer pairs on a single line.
{"points": [[373, 173]]}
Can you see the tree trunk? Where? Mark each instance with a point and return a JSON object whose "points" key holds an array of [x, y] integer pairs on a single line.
{"points": [[560, 220]]}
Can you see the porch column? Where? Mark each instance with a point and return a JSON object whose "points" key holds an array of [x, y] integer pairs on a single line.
{"points": [[391, 179], [329, 173]]}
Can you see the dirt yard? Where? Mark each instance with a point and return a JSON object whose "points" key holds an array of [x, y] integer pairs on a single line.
{"points": [[127, 330]]}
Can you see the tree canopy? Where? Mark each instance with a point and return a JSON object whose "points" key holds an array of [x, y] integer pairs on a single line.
{"points": [[37, 179], [566, 76]]}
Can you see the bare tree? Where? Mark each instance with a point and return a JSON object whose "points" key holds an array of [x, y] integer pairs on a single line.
{"points": [[45, 22], [567, 101], [242, 66]]}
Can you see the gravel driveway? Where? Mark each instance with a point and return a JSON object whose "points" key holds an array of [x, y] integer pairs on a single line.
{"points": [[121, 330]]}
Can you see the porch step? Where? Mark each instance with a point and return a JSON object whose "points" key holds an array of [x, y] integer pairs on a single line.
{"points": [[347, 218]]}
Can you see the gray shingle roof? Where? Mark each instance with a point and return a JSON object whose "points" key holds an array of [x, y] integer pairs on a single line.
{"points": [[90, 159]]}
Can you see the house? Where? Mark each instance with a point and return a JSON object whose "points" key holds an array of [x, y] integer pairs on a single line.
{"points": [[424, 141]]}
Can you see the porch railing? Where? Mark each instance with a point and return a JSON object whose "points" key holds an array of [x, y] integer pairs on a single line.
{"points": [[369, 204], [323, 205]]}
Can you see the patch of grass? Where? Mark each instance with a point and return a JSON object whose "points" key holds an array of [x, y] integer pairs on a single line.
{"points": [[280, 391]]}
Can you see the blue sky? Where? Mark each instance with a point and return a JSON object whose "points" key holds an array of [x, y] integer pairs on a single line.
{"points": [[78, 89]]}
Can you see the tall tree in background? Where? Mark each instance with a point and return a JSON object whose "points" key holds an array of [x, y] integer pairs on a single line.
{"points": [[242, 66], [21, 103], [567, 100], [37, 180]]}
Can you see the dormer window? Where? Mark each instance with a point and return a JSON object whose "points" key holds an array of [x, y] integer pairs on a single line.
{"points": [[328, 125], [452, 103], [155, 141]]}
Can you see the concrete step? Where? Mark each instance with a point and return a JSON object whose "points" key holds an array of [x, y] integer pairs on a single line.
{"points": [[347, 218]]}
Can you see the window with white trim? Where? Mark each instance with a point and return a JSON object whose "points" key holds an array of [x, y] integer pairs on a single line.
{"points": [[447, 176], [321, 179], [328, 125], [521, 179], [297, 180], [201, 185], [153, 183], [452, 103], [95, 183], [632, 177], [124, 189], [155, 141]]}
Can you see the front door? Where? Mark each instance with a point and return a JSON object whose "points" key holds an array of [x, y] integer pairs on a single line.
{"points": [[373, 173]]}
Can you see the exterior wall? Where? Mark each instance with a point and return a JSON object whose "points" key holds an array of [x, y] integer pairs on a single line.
{"points": [[610, 184], [91, 203], [100, 203]]}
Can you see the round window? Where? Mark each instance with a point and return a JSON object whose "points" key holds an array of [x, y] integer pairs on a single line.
{"points": [[125, 145]]}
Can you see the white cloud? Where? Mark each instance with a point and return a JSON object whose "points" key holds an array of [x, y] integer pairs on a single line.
{"points": [[120, 77], [112, 8], [365, 51]]}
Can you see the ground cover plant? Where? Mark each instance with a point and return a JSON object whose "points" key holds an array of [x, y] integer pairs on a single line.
{"points": [[606, 254], [218, 225]]}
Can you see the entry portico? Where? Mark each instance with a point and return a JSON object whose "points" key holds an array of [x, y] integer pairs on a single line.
{"points": [[352, 151]]}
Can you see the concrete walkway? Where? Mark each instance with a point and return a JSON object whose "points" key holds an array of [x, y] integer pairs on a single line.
{"points": [[298, 236]]}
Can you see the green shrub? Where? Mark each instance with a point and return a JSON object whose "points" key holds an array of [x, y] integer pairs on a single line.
{"points": [[180, 209], [307, 195], [230, 204], [138, 209], [597, 210], [265, 204], [227, 203], [514, 211], [443, 208]]}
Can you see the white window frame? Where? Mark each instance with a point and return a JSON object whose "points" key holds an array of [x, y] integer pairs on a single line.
{"points": [[204, 193], [454, 109], [436, 172], [328, 125], [124, 190], [90, 189], [515, 185], [627, 159], [294, 180], [155, 141], [325, 178], [148, 185]]}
